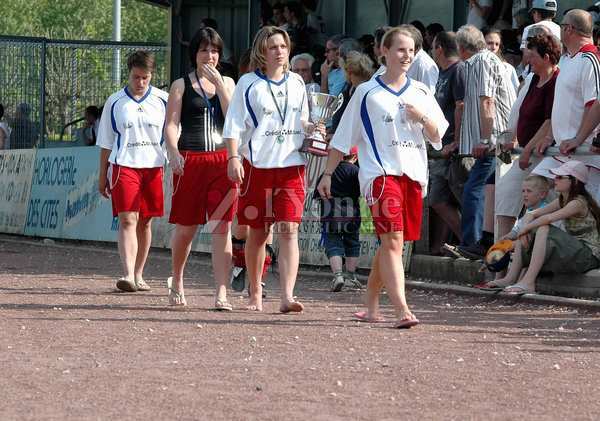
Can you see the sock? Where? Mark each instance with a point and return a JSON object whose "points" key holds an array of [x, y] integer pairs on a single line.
{"points": [[487, 239]]}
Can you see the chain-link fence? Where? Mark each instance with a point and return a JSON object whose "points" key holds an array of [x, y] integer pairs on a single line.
{"points": [[46, 85]]}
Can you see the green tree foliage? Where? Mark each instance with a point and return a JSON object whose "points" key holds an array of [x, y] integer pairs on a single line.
{"points": [[86, 20]]}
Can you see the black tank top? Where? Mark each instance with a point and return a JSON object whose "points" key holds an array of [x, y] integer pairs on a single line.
{"points": [[200, 131]]}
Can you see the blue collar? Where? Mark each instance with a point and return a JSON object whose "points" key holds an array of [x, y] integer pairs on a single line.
{"points": [[142, 98], [263, 76], [387, 88]]}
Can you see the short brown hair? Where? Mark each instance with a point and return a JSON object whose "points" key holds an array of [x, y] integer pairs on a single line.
{"points": [[545, 44], [142, 60], [203, 38], [259, 47]]}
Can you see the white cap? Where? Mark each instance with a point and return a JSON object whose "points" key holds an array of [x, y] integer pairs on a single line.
{"points": [[544, 5]]}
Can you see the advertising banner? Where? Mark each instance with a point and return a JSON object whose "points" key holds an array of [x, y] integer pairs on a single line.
{"points": [[16, 169], [64, 201]]}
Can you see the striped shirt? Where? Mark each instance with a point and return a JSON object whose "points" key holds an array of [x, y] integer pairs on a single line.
{"points": [[485, 77]]}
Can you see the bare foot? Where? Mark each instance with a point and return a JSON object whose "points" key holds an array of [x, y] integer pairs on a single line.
{"points": [[365, 316], [291, 307]]}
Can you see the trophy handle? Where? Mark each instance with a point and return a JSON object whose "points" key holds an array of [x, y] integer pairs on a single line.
{"points": [[340, 98]]}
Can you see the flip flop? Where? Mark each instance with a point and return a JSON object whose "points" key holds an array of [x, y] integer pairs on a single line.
{"points": [[222, 305], [406, 323], [517, 290], [361, 316], [488, 286]]}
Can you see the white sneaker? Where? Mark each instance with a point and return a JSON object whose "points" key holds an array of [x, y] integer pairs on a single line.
{"points": [[142, 285], [351, 281], [338, 282]]}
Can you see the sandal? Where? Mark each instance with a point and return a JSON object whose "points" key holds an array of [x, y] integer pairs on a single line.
{"points": [[176, 298], [406, 323], [222, 305], [517, 290], [489, 286]]}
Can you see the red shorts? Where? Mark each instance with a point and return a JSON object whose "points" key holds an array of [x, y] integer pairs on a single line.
{"points": [[204, 192], [270, 195], [398, 207], [137, 190]]}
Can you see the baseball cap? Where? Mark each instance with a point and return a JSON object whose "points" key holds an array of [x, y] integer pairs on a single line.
{"points": [[573, 168], [353, 151], [543, 5]]}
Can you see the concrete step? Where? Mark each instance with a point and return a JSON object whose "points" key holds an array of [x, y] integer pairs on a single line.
{"points": [[466, 272]]}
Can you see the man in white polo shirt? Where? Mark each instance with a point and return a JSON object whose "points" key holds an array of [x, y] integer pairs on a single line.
{"points": [[577, 89], [132, 156]]}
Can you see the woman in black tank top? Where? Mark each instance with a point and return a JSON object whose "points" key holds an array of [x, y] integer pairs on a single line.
{"points": [[202, 192]]}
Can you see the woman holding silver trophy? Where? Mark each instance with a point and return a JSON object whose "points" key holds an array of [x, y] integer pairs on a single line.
{"points": [[264, 132], [389, 118]]}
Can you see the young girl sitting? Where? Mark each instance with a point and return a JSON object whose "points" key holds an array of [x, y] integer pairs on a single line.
{"points": [[542, 246]]}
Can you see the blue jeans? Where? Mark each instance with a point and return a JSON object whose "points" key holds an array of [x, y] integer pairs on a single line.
{"points": [[473, 200]]}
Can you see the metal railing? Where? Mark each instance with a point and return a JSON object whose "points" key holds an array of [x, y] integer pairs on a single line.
{"points": [[46, 84]]}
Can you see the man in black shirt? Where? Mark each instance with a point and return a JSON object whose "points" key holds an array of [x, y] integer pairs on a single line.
{"points": [[448, 173]]}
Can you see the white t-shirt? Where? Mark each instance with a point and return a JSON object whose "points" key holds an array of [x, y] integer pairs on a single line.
{"points": [[424, 70], [379, 71], [474, 18], [133, 129], [511, 74], [4, 127], [388, 142], [553, 27], [577, 84], [255, 121]]}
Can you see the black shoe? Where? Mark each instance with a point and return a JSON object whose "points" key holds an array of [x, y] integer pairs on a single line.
{"points": [[448, 250], [238, 279], [473, 252]]}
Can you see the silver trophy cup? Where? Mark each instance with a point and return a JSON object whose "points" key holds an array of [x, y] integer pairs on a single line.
{"points": [[322, 108]]}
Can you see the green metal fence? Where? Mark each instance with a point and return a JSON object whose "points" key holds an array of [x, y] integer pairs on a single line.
{"points": [[47, 84]]}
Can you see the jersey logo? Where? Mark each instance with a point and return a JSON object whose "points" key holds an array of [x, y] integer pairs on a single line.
{"points": [[266, 111], [387, 118], [280, 94]]}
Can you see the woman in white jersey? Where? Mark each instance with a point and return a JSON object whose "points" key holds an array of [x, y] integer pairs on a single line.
{"points": [[201, 190], [264, 131], [131, 164], [389, 118]]}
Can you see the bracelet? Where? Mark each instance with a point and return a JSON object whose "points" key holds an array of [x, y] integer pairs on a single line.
{"points": [[234, 156]]}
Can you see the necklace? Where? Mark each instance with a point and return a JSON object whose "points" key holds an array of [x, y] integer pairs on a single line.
{"points": [[280, 138], [211, 108]]}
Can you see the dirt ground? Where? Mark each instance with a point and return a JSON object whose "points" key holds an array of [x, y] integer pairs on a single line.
{"points": [[72, 347]]}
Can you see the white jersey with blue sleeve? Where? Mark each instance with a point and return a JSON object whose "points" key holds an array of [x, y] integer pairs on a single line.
{"points": [[133, 129], [266, 118], [388, 142]]}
